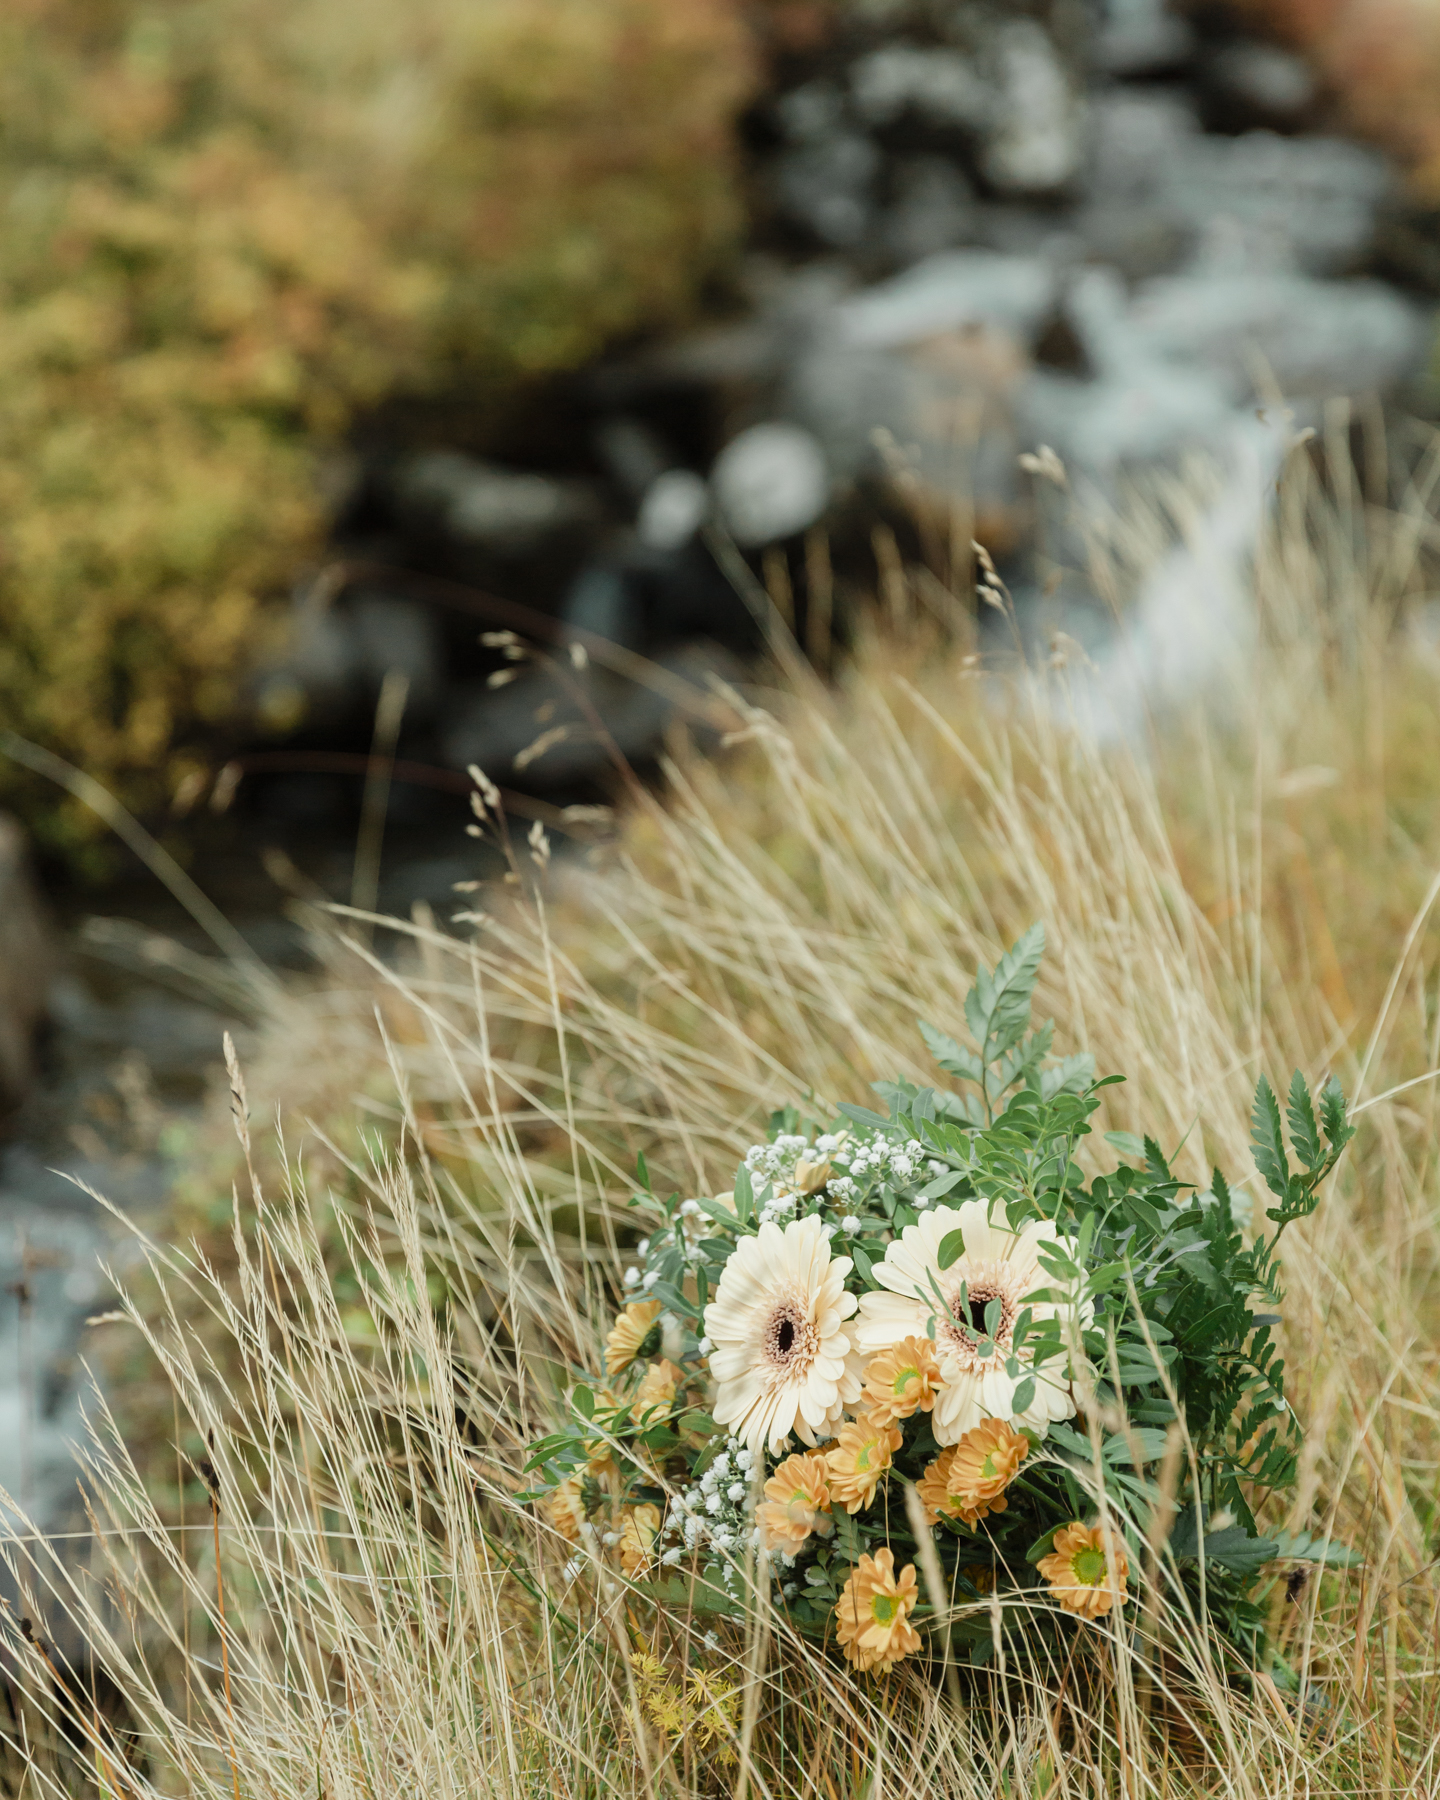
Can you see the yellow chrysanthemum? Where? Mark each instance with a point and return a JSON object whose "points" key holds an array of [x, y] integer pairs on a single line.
{"points": [[933, 1488], [1087, 1569], [872, 1616], [796, 1504], [985, 1463], [628, 1333], [656, 1393], [563, 1508], [858, 1461], [638, 1533], [902, 1380]]}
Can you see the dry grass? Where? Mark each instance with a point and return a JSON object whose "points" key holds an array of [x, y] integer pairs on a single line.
{"points": [[1250, 890]]}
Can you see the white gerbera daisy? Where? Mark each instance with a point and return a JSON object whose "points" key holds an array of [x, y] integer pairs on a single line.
{"points": [[782, 1358], [998, 1264]]}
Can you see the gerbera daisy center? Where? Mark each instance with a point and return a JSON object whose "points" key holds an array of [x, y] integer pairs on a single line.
{"points": [[971, 1291], [789, 1342]]}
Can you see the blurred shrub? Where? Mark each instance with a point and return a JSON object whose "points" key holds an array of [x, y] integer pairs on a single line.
{"points": [[1382, 59], [230, 224]]}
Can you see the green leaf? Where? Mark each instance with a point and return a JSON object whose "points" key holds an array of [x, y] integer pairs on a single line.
{"points": [[1071, 1075], [1023, 1396], [1129, 1146], [1332, 1116], [997, 1008], [863, 1264], [1235, 1549], [862, 1115], [1042, 1546], [1304, 1132], [1149, 1444], [1266, 1140], [952, 1248], [1301, 1546], [952, 1057], [642, 1172], [584, 1402], [942, 1184], [744, 1196]]}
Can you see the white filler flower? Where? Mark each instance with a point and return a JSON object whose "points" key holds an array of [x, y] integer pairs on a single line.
{"points": [[783, 1358], [997, 1264]]}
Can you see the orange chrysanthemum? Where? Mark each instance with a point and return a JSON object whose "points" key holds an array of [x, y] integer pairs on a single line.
{"points": [[796, 1504], [563, 1508], [857, 1463], [1087, 1569], [933, 1488], [656, 1393], [872, 1616], [902, 1380], [638, 1533], [986, 1461], [628, 1333]]}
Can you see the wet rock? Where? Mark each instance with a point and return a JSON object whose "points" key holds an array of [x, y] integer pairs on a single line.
{"points": [[828, 187], [28, 962], [1271, 85], [508, 511], [958, 291], [1036, 141], [932, 208], [770, 482], [938, 87], [672, 510], [1140, 37], [1317, 338], [1265, 201]]}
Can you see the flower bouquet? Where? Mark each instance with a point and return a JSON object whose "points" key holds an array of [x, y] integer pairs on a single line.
{"points": [[925, 1385]]}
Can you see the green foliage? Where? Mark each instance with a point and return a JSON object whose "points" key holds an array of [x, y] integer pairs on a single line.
{"points": [[229, 225]]}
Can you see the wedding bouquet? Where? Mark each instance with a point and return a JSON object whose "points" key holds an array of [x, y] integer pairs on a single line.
{"points": [[921, 1335]]}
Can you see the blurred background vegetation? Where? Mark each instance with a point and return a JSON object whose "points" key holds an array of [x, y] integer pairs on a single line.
{"points": [[230, 226]]}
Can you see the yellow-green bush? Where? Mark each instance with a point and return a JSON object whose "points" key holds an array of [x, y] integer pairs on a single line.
{"points": [[229, 224]]}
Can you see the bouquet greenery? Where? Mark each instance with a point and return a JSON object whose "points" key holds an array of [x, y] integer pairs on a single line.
{"points": [[922, 1336]]}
